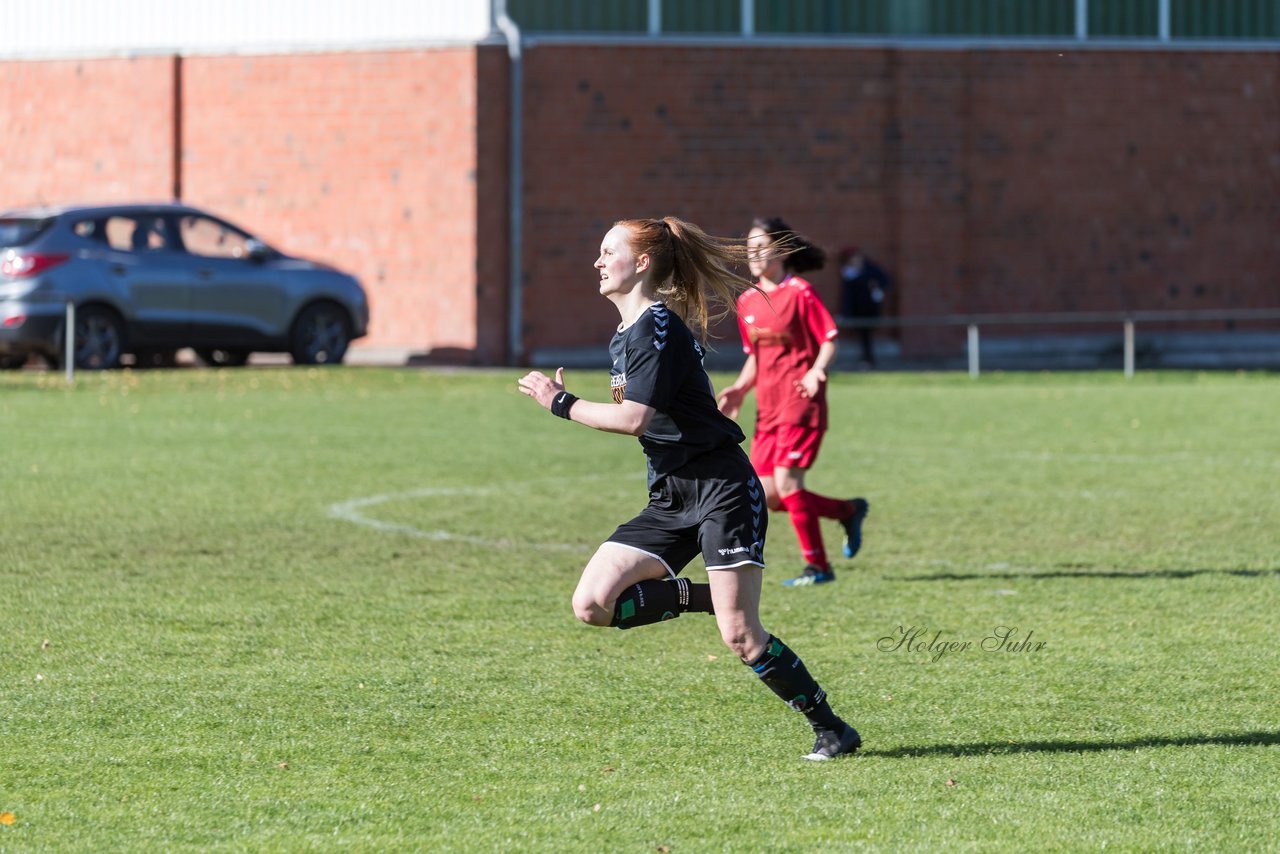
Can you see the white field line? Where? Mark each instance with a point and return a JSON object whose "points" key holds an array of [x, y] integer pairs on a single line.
{"points": [[353, 510]]}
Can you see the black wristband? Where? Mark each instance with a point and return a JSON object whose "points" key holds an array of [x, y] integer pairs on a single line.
{"points": [[562, 403]]}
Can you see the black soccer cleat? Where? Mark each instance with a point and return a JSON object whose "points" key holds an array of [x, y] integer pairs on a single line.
{"points": [[853, 526], [832, 743]]}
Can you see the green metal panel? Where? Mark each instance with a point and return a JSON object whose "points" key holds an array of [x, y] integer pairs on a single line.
{"points": [[1225, 19], [826, 17], [910, 18], [702, 16], [1137, 19], [1015, 18], [1050, 18], [1124, 18], [592, 16]]}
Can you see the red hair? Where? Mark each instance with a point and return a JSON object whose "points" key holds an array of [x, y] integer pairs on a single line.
{"points": [[694, 272]]}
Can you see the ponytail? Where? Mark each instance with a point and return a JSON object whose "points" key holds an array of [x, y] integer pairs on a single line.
{"points": [[694, 271]]}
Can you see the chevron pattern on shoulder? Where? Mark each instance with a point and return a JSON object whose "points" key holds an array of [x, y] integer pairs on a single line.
{"points": [[661, 325]]}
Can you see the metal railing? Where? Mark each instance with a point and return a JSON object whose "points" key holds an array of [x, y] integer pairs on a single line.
{"points": [[1129, 321]]}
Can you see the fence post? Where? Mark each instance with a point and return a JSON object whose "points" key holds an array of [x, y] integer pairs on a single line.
{"points": [[973, 350], [1128, 349], [69, 336]]}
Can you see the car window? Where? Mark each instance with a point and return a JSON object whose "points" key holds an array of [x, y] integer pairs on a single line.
{"points": [[212, 239], [91, 229], [17, 231], [128, 233], [150, 234], [116, 231]]}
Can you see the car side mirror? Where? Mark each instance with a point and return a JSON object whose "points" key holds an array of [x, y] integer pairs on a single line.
{"points": [[257, 250]]}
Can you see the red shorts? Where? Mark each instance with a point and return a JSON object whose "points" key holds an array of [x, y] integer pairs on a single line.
{"points": [[787, 446]]}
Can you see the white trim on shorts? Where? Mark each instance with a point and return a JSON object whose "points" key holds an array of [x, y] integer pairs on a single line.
{"points": [[643, 552], [736, 565]]}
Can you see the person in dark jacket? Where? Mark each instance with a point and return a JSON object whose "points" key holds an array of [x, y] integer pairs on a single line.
{"points": [[862, 295]]}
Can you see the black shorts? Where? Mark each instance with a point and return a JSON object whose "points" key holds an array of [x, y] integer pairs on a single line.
{"points": [[714, 504]]}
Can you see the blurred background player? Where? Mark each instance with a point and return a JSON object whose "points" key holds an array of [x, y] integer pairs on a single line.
{"points": [[789, 338], [863, 284]]}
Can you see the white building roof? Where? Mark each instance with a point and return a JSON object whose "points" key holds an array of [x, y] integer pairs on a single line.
{"points": [[86, 28]]}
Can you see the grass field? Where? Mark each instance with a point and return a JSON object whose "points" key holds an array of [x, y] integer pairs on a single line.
{"points": [[287, 609]]}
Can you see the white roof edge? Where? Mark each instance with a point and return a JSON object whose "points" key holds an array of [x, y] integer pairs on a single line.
{"points": [[88, 53]]}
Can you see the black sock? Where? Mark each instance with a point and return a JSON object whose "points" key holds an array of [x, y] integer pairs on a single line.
{"points": [[785, 674], [654, 601], [693, 597]]}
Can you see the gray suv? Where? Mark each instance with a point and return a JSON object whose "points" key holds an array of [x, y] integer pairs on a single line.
{"points": [[148, 280]]}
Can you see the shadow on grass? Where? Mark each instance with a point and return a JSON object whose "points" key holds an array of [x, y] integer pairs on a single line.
{"points": [[1085, 573], [1250, 739]]}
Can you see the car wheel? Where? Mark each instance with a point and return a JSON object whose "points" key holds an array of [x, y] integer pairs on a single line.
{"points": [[215, 358], [12, 363], [99, 340], [320, 335]]}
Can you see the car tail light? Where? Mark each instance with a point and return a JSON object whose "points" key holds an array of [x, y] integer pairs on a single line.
{"points": [[13, 321], [17, 265]]}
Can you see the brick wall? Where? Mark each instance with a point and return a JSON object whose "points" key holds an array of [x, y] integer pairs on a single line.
{"points": [[370, 161], [90, 130], [986, 180], [364, 160], [493, 207]]}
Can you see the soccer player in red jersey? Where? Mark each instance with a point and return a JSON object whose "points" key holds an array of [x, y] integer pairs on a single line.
{"points": [[789, 338]]}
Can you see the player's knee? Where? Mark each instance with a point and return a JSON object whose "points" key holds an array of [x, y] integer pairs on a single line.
{"points": [[775, 503], [586, 609], [742, 642]]}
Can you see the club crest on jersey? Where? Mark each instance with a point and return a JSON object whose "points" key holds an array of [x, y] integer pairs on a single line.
{"points": [[763, 336], [618, 386]]}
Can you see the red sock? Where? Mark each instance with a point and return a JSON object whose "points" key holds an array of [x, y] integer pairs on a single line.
{"points": [[830, 508], [805, 519]]}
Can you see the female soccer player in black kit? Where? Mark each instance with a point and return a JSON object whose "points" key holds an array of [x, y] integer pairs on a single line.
{"points": [[664, 275]]}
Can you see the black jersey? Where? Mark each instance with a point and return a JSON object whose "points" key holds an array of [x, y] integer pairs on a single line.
{"points": [[658, 362]]}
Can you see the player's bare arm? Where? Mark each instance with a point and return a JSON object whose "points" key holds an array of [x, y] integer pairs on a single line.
{"points": [[629, 418], [812, 381]]}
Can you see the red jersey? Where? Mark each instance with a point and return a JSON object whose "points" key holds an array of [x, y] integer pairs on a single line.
{"points": [[784, 330]]}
